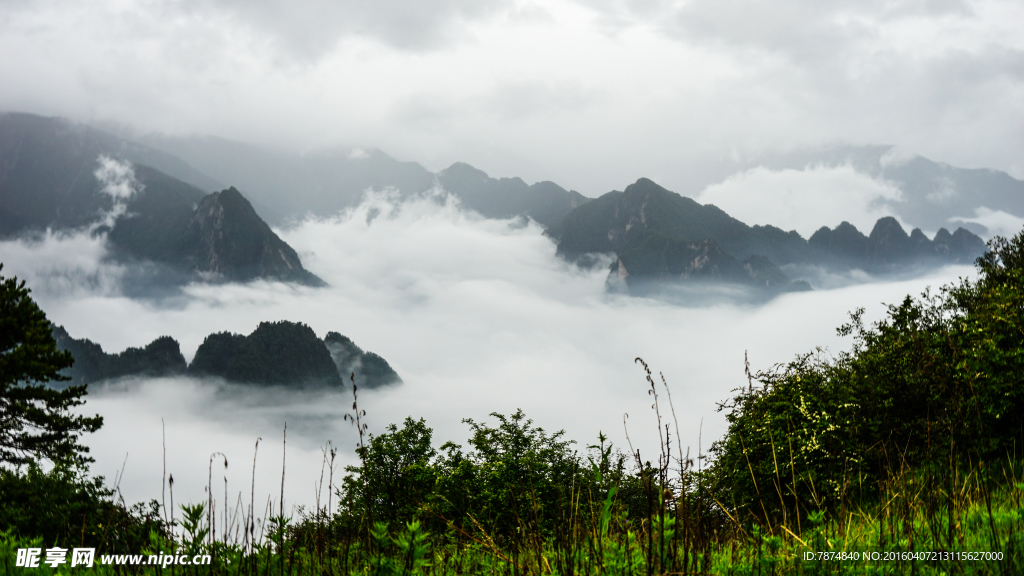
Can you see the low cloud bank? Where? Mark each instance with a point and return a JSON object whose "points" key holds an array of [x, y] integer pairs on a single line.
{"points": [[804, 200], [476, 315], [997, 222]]}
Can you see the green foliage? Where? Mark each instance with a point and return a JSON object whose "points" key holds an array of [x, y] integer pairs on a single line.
{"points": [[934, 386], [65, 506], [59, 505], [35, 420], [397, 475], [515, 475]]}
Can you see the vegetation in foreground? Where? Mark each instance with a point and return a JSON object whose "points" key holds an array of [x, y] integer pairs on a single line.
{"points": [[899, 456]]}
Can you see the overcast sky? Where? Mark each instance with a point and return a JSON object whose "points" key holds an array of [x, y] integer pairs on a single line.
{"points": [[591, 95]]}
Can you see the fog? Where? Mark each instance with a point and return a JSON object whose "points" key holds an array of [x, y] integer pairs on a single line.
{"points": [[475, 315]]}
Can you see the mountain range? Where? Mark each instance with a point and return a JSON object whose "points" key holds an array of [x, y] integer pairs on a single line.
{"points": [[58, 175], [656, 234], [182, 216], [276, 353]]}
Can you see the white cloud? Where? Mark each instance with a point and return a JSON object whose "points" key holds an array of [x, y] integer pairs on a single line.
{"points": [[804, 200], [996, 221], [117, 180], [63, 265], [665, 93]]}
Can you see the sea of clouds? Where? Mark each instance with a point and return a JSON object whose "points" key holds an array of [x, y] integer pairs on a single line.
{"points": [[476, 316]]}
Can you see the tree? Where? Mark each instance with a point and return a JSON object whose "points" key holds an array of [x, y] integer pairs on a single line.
{"points": [[397, 475], [35, 420]]}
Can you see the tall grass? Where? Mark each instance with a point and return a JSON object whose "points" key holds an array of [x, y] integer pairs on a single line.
{"points": [[620, 516]]}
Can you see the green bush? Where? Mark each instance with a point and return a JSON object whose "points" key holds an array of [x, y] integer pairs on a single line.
{"points": [[66, 507], [935, 385]]}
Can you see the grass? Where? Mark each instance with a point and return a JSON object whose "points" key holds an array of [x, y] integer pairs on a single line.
{"points": [[900, 536], [964, 519]]}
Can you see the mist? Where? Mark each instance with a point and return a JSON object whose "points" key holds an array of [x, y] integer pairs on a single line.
{"points": [[580, 93], [476, 316]]}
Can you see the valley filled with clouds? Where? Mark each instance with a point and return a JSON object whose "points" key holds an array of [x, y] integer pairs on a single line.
{"points": [[476, 315]]}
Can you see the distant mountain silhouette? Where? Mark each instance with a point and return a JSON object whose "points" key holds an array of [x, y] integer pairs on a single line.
{"points": [[933, 194], [545, 202], [276, 353], [287, 186], [326, 182], [889, 245], [657, 234], [161, 357]]}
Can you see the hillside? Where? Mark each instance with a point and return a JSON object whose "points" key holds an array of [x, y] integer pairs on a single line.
{"points": [[63, 176], [369, 369]]}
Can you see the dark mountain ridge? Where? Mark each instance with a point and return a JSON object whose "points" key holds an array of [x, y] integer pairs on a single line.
{"points": [[226, 237], [614, 220], [654, 233], [161, 357], [276, 353], [659, 235]]}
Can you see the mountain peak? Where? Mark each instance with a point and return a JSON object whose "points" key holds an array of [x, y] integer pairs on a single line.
{"points": [[462, 171], [225, 236], [645, 186]]}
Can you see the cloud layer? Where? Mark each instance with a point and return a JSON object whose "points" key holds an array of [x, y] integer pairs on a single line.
{"points": [[590, 95], [476, 316]]}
